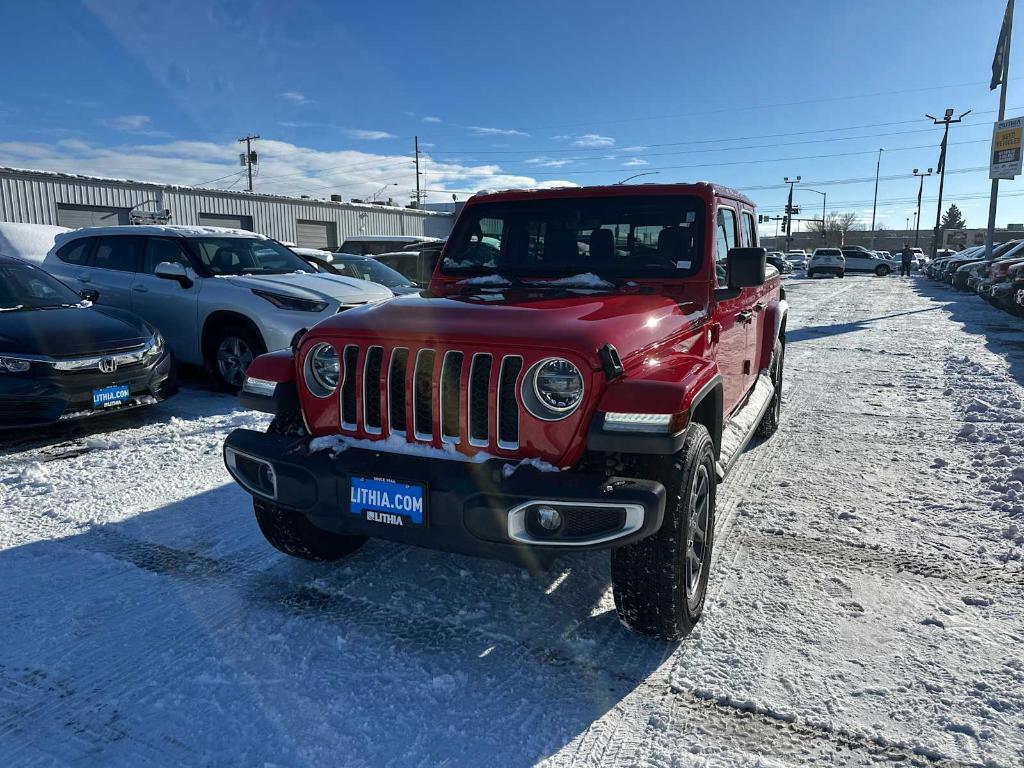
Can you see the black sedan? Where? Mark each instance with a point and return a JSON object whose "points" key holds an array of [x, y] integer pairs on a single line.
{"points": [[62, 358]]}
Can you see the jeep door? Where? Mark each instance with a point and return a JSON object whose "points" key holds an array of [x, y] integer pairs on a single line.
{"points": [[756, 301], [112, 268], [732, 315], [171, 307]]}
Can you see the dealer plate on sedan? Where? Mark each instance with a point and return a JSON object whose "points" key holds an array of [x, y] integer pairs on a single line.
{"points": [[107, 397], [383, 500]]}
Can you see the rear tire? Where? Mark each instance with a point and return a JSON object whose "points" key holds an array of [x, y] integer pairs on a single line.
{"points": [[770, 421], [660, 583]]}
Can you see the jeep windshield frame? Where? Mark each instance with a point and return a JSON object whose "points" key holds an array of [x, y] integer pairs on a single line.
{"points": [[655, 236]]}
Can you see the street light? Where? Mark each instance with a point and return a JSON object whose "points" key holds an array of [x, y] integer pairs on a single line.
{"points": [[874, 205], [824, 197], [789, 211], [917, 217], [379, 191]]}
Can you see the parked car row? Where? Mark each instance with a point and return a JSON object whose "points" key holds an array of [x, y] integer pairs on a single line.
{"points": [[999, 280], [839, 260]]}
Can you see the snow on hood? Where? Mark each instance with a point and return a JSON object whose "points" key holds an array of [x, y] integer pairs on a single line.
{"points": [[30, 242], [321, 285]]}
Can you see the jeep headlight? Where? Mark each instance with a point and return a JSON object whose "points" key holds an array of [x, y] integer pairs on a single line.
{"points": [[552, 389], [322, 370]]}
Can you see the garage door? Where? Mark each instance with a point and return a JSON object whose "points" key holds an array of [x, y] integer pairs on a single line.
{"points": [[76, 216], [226, 220], [316, 234]]}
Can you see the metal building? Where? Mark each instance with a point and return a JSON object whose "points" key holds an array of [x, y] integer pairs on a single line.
{"points": [[70, 200]]}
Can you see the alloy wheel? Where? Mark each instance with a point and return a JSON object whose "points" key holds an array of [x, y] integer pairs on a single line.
{"points": [[697, 534], [233, 359]]}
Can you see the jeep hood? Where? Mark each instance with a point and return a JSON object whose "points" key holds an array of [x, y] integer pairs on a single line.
{"points": [[303, 285], [584, 324]]}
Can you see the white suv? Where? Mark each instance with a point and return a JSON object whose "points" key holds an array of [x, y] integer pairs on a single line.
{"points": [[220, 297], [826, 261]]}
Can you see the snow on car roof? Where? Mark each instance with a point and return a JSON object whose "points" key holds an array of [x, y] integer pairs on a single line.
{"points": [[391, 239], [167, 230]]}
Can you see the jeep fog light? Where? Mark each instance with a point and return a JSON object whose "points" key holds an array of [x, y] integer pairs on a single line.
{"points": [[656, 423], [548, 518]]}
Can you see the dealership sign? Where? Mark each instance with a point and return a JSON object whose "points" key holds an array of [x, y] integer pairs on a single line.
{"points": [[1006, 149]]}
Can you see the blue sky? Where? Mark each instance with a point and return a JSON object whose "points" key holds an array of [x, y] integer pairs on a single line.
{"points": [[520, 93]]}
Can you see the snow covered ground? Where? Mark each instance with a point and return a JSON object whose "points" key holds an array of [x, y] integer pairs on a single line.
{"points": [[866, 605]]}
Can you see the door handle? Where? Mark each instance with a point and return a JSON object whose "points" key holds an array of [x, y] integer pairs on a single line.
{"points": [[745, 317], [759, 307], [84, 279], [140, 288]]}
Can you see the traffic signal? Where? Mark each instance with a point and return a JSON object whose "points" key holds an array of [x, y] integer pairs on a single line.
{"points": [[785, 222]]}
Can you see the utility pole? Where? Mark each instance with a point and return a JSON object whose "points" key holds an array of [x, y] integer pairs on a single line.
{"points": [[789, 212], [917, 218], [946, 121], [1004, 37], [416, 139], [874, 205], [249, 159]]}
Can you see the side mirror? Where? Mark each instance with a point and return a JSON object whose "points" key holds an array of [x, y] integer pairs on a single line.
{"points": [[172, 270], [745, 268], [90, 295]]}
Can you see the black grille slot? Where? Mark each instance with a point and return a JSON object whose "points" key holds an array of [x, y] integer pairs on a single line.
{"points": [[508, 406], [396, 389], [451, 374], [423, 415], [479, 377], [348, 388], [371, 389]]}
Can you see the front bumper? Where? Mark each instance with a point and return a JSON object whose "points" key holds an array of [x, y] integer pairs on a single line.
{"points": [[43, 396], [471, 508]]}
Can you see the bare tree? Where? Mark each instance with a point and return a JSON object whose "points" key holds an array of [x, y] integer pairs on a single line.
{"points": [[836, 226]]}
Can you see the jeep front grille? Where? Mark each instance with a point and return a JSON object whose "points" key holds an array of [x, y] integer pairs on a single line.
{"points": [[431, 395]]}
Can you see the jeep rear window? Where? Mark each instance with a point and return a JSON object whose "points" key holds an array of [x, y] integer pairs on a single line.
{"points": [[629, 236]]}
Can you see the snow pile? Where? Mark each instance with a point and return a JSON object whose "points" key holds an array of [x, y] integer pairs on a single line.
{"points": [[583, 280], [30, 242], [394, 444], [486, 281], [539, 464]]}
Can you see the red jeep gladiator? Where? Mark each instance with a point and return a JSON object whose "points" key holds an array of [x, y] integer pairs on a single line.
{"points": [[584, 368]]}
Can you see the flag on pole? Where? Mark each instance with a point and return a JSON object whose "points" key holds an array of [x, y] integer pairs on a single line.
{"points": [[1001, 46]]}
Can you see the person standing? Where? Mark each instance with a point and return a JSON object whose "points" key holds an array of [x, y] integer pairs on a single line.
{"points": [[906, 257]]}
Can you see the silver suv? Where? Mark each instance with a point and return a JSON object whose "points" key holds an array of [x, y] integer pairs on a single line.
{"points": [[220, 297]]}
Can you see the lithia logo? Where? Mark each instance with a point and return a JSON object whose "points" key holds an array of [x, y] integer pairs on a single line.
{"points": [[107, 365]]}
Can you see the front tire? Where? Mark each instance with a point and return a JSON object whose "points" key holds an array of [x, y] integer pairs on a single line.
{"points": [[290, 532], [660, 583], [882, 271], [230, 351]]}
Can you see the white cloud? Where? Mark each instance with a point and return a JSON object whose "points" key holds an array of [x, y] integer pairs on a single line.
{"points": [[479, 130], [634, 162], [358, 133], [294, 96], [431, 119], [547, 162], [284, 168], [127, 122], [593, 140]]}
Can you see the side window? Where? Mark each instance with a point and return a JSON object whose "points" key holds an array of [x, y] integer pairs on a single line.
{"points": [[160, 249], [725, 238], [749, 231], [118, 253], [76, 252]]}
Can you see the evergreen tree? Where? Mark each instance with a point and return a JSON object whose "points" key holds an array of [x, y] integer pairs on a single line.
{"points": [[952, 218]]}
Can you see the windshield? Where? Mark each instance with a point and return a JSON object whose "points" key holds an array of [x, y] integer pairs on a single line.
{"points": [[374, 271], [629, 236], [248, 256], [23, 286]]}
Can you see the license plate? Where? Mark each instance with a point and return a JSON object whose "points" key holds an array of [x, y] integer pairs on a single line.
{"points": [[106, 397], [383, 500]]}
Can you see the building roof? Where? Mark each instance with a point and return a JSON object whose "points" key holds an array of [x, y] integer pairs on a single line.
{"points": [[31, 172]]}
